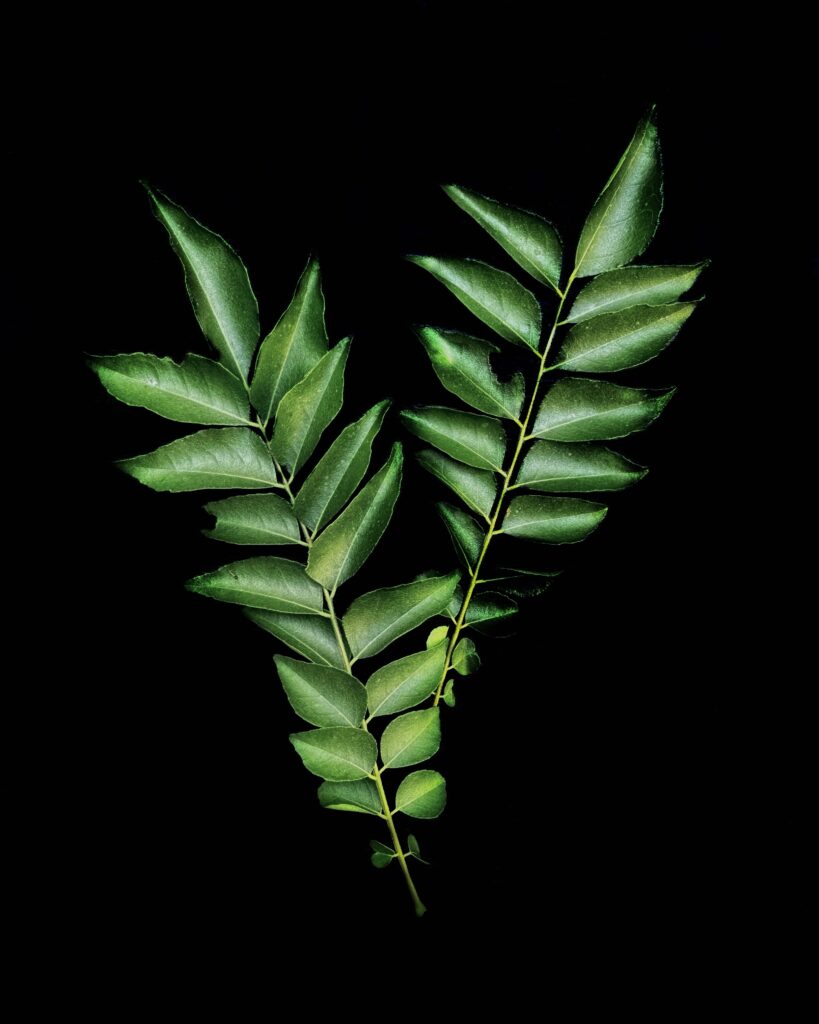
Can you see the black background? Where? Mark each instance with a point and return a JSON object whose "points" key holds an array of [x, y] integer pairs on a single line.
{"points": [[625, 772]]}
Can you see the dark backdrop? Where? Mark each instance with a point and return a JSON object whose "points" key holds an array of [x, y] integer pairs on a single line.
{"points": [[616, 774]]}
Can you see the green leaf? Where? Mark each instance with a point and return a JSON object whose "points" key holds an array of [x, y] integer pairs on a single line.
{"points": [[531, 241], [293, 347], [633, 286], [495, 297], [576, 409], [465, 658], [276, 584], [466, 534], [360, 796], [404, 683], [340, 470], [217, 284], [217, 459], [554, 520], [381, 855], [554, 466], [475, 440], [411, 738], [476, 487], [414, 848], [308, 408], [618, 341], [309, 635], [320, 695], [520, 582], [486, 608], [437, 635], [197, 390], [449, 693], [349, 541], [422, 794], [462, 365], [625, 215], [338, 755], [374, 620], [253, 519]]}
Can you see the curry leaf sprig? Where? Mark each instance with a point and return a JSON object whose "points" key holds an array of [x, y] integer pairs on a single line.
{"points": [[534, 443], [264, 408]]}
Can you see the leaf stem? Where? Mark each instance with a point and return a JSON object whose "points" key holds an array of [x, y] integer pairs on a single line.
{"points": [[386, 812], [507, 486]]}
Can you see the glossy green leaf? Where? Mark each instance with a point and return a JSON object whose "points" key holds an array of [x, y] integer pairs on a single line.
{"points": [[340, 470], [466, 534], [411, 738], [374, 620], [553, 466], [554, 520], [253, 519], [633, 286], [624, 217], [277, 584], [478, 441], [465, 658], [437, 635], [320, 695], [309, 635], [618, 341], [576, 409], [448, 695], [382, 855], [422, 794], [531, 241], [495, 297], [360, 796], [197, 390], [217, 459], [489, 607], [217, 284], [462, 365], [339, 755], [293, 347], [309, 408], [476, 487], [348, 542], [404, 683]]}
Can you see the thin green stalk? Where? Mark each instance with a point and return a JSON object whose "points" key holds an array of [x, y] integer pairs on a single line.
{"points": [[508, 474], [386, 812]]}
